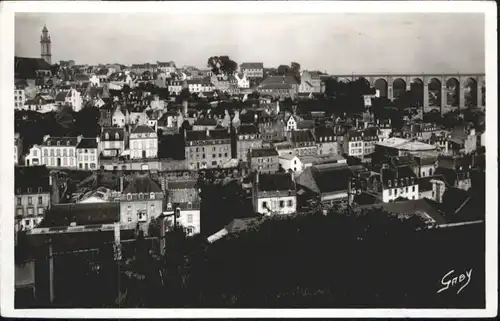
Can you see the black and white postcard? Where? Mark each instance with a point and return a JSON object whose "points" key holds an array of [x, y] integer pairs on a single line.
{"points": [[248, 159]]}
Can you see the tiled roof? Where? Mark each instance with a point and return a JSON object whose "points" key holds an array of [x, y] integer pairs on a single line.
{"points": [[275, 182], [32, 177], [87, 143], [82, 214], [185, 184], [142, 183], [264, 152]]}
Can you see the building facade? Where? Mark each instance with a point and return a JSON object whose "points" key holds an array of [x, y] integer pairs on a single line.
{"points": [[207, 149], [60, 152], [87, 152], [143, 143], [32, 194]]}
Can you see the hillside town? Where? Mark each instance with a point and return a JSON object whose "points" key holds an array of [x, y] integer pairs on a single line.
{"points": [[113, 153]]}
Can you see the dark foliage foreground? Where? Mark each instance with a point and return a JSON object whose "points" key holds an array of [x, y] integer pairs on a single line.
{"points": [[313, 261]]}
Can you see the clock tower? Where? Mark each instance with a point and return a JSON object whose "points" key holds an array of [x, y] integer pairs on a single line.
{"points": [[46, 45]]}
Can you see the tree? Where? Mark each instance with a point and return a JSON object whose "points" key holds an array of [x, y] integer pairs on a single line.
{"points": [[54, 69], [87, 121], [184, 95], [283, 70], [222, 65], [295, 70]]}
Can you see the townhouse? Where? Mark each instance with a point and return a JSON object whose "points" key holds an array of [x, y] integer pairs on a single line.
{"points": [[207, 149], [247, 138], [60, 151], [326, 141], [32, 195], [253, 69], [303, 143], [141, 201], [87, 152], [264, 160], [143, 143], [113, 141], [274, 194]]}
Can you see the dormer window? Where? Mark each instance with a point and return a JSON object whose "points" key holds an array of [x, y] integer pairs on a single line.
{"points": [[106, 135], [169, 206], [67, 143], [48, 143], [189, 205], [29, 189], [129, 197], [152, 195], [58, 143], [39, 190]]}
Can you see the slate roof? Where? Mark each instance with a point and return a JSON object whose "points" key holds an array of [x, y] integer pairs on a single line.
{"points": [[398, 173], [196, 135], [61, 141], [218, 134], [247, 129], [264, 152], [205, 122], [252, 65], [26, 67], [410, 207], [325, 178], [324, 132], [61, 96], [87, 143], [142, 183], [60, 215], [302, 136], [32, 177], [275, 182], [141, 129]]}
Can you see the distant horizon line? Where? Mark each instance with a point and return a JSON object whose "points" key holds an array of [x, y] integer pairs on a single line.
{"points": [[399, 73]]}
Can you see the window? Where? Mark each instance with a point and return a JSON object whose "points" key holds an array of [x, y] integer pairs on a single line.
{"points": [[406, 189], [213, 155], [30, 200], [142, 216], [152, 195], [390, 192], [290, 203], [264, 204], [20, 211], [152, 208], [30, 210], [40, 200], [27, 222], [129, 197], [413, 189], [282, 204]]}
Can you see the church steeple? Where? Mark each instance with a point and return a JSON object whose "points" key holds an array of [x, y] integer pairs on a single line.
{"points": [[45, 45]]}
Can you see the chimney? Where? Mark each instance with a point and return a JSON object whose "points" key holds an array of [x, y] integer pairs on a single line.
{"points": [[79, 138], [121, 183]]}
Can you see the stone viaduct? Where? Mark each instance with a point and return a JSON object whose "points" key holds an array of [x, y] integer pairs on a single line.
{"points": [[440, 86]]}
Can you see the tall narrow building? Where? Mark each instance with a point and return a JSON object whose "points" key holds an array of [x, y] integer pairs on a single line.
{"points": [[46, 45]]}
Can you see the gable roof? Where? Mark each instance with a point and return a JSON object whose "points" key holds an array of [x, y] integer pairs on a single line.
{"points": [[142, 183], [323, 179]]}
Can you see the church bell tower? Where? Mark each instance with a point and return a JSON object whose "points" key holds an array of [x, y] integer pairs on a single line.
{"points": [[45, 45]]}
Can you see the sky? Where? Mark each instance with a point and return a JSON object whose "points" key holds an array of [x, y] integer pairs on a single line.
{"points": [[339, 43]]}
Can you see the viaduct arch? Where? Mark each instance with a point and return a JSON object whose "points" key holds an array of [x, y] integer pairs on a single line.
{"points": [[443, 91]]}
